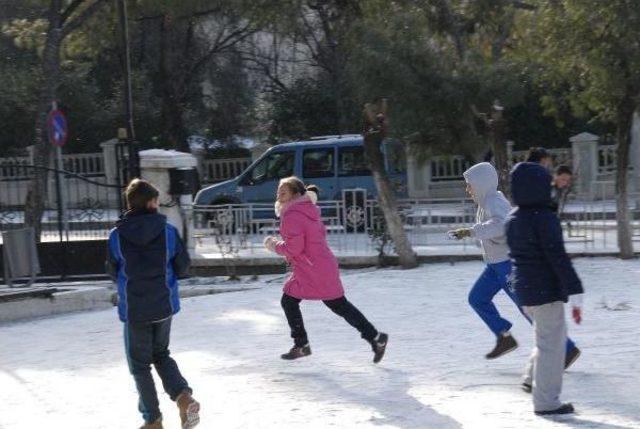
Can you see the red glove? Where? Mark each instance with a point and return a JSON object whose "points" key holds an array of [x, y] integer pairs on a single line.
{"points": [[576, 313]]}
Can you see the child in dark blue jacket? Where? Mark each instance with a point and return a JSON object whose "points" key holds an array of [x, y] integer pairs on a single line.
{"points": [[543, 279], [145, 258]]}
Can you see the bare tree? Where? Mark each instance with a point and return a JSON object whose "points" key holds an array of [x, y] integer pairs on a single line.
{"points": [[496, 128], [375, 129], [187, 45], [62, 21]]}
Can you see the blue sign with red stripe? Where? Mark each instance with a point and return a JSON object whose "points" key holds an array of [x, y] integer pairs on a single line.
{"points": [[57, 128]]}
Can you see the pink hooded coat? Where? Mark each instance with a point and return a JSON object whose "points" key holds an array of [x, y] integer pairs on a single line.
{"points": [[315, 269]]}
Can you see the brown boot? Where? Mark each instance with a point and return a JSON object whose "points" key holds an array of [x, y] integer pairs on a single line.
{"points": [[153, 425], [189, 410]]}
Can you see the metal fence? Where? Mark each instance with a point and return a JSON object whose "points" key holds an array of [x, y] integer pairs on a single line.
{"points": [[355, 225], [85, 208], [449, 168], [217, 170], [86, 164]]}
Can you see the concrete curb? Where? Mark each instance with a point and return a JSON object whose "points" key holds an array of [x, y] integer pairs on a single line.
{"points": [[67, 301], [269, 265], [87, 298]]}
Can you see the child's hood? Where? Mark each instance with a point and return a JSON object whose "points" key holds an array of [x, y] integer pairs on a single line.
{"points": [[483, 179], [304, 204], [141, 229], [530, 185]]}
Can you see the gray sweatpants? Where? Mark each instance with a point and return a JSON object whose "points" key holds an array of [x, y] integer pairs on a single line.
{"points": [[547, 359]]}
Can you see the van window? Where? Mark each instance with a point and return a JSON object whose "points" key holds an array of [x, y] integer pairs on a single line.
{"points": [[318, 163], [275, 166], [351, 162], [396, 158]]}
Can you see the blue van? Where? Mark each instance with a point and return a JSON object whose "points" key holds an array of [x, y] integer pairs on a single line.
{"points": [[332, 163]]}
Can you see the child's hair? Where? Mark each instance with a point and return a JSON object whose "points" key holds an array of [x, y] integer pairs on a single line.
{"points": [[564, 169], [139, 193], [314, 189], [297, 186], [537, 154]]}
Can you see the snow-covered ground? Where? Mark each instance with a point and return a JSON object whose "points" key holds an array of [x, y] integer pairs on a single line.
{"points": [[70, 371]]}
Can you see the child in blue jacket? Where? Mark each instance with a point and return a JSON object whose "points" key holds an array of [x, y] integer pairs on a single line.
{"points": [[145, 258], [543, 279]]}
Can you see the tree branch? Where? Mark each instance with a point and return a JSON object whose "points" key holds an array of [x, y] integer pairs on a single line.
{"points": [[196, 14], [82, 17], [69, 11], [220, 45], [522, 5]]}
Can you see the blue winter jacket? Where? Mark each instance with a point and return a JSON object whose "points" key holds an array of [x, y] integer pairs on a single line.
{"points": [[145, 258], [542, 270]]}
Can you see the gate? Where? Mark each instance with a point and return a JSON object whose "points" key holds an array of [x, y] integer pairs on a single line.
{"points": [[78, 208]]}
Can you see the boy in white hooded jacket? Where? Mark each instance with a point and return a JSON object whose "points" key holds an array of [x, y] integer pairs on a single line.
{"points": [[493, 208]]}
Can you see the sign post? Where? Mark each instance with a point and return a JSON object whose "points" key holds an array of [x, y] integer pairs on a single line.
{"points": [[58, 132]]}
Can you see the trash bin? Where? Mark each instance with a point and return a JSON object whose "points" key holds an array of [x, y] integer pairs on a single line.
{"points": [[20, 255]]}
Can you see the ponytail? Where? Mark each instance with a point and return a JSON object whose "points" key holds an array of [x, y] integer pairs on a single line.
{"points": [[313, 192]]}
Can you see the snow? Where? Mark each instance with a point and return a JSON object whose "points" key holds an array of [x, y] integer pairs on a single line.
{"points": [[199, 143], [70, 371], [161, 153]]}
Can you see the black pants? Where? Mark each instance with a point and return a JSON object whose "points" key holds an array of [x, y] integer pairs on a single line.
{"points": [[340, 306], [146, 344]]}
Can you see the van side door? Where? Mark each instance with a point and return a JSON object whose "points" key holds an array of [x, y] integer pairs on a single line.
{"points": [[353, 170], [319, 168]]}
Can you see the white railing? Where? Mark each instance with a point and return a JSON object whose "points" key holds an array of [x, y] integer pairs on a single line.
{"points": [[607, 157], [87, 164], [217, 170], [559, 155], [11, 168], [444, 168], [352, 225], [351, 222]]}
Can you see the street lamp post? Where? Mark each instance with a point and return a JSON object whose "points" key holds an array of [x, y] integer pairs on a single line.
{"points": [[133, 165]]}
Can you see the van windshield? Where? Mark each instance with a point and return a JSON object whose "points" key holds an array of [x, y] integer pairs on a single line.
{"points": [[275, 166]]}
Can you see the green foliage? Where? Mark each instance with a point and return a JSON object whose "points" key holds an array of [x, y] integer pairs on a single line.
{"points": [[558, 70], [586, 53], [307, 108]]}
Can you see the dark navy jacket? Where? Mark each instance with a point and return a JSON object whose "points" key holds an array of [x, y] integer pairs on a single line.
{"points": [[145, 258], [542, 271]]}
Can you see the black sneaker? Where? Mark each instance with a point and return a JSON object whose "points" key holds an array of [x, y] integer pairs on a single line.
{"points": [[379, 345], [572, 356], [297, 352], [505, 344], [526, 387], [563, 409]]}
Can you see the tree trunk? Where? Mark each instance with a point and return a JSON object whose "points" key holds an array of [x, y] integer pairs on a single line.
{"points": [[374, 132], [623, 216], [172, 112], [499, 148], [37, 190]]}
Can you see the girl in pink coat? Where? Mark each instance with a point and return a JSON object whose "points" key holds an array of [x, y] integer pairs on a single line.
{"points": [[315, 270]]}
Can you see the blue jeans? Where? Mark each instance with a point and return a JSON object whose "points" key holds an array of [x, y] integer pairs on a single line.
{"points": [[146, 344], [494, 278]]}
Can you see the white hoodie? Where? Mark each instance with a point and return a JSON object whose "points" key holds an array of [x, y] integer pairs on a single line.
{"points": [[493, 209]]}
